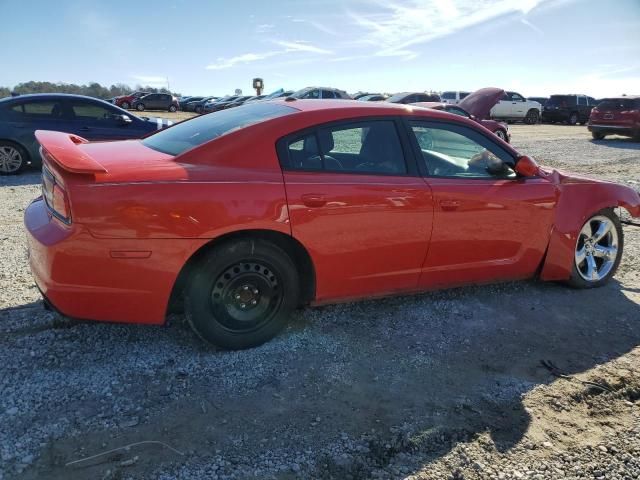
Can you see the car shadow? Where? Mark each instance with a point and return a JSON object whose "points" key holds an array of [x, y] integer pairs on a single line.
{"points": [[621, 143], [29, 176], [351, 387]]}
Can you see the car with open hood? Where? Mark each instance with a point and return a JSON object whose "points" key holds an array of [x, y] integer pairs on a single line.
{"points": [[246, 214], [476, 106], [94, 119]]}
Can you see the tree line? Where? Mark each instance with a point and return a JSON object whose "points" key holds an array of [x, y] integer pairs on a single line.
{"points": [[93, 89]]}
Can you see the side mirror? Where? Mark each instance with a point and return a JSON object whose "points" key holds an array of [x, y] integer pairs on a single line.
{"points": [[124, 119], [527, 167]]}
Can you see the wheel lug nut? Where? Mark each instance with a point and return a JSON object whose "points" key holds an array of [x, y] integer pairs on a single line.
{"points": [[254, 302], [255, 291], [245, 287], [242, 305], [237, 296]]}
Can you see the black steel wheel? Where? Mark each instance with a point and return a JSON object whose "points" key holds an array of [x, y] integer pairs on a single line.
{"points": [[242, 294]]}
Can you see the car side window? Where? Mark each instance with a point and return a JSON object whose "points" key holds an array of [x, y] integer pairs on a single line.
{"points": [[51, 109], [327, 94], [371, 147], [312, 94], [517, 98], [93, 111], [582, 100], [453, 151]]}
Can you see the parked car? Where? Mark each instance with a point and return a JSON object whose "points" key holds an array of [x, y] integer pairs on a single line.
{"points": [[359, 95], [237, 102], [513, 107], [316, 93], [413, 97], [250, 212], [373, 97], [126, 101], [453, 97], [278, 94], [197, 105], [616, 116], [570, 109], [182, 102], [257, 98], [156, 101], [87, 117], [219, 104], [476, 106]]}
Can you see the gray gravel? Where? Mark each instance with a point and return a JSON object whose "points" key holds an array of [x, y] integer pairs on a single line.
{"points": [[433, 386]]}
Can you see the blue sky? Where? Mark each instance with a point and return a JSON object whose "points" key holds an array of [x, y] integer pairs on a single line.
{"points": [[535, 47]]}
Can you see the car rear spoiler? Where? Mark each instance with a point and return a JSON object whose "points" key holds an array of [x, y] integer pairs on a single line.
{"points": [[62, 148]]}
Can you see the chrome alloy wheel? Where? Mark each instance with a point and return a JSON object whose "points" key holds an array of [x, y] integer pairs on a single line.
{"points": [[10, 159], [596, 248]]}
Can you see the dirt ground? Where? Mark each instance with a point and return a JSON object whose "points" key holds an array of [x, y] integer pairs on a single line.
{"points": [[442, 385]]}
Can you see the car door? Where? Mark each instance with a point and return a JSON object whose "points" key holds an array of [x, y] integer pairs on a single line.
{"points": [[489, 224], [502, 109], [24, 118], [358, 204], [96, 121], [518, 107]]}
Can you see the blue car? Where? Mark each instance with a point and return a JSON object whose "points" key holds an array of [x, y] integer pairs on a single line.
{"points": [[87, 117]]}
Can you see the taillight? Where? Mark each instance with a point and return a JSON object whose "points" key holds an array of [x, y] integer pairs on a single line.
{"points": [[61, 204], [55, 197]]}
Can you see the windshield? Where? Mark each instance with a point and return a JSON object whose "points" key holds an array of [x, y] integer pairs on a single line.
{"points": [[187, 135], [616, 104]]}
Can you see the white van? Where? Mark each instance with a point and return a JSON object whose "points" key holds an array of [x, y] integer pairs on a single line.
{"points": [[453, 98]]}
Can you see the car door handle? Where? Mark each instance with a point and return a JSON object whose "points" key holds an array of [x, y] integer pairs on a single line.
{"points": [[314, 200], [449, 205]]}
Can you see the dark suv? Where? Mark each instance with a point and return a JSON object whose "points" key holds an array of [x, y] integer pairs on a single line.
{"points": [[570, 109], [156, 101]]}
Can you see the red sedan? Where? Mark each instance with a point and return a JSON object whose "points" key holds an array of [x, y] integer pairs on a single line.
{"points": [[243, 215]]}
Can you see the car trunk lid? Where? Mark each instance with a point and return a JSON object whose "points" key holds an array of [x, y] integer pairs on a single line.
{"points": [[480, 102]]}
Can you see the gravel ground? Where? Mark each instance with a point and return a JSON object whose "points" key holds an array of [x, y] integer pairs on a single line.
{"points": [[443, 385]]}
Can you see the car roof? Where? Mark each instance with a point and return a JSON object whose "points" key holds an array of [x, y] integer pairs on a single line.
{"points": [[44, 96], [382, 108]]}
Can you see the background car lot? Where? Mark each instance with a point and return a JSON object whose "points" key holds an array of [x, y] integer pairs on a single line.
{"points": [[415, 386]]}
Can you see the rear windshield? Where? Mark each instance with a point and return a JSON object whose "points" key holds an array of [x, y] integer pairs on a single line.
{"points": [[561, 99], [618, 104], [187, 135]]}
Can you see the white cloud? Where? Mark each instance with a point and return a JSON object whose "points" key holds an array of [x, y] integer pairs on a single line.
{"points": [[265, 27], [300, 46], [398, 26], [151, 80], [288, 47], [223, 63]]}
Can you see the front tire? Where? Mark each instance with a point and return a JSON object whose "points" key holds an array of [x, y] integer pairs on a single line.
{"points": [[173, 108], [598, 250], [501, 134], [198, 109], [140, 107], [13, 158], [573, 118], [242, 294], [597, 135], [125, 105]]}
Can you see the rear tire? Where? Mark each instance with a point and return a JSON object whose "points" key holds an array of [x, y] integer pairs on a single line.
{"points": [[598, 135], [501, 134], [125, 105], [573, 118], [532, 117], [198, 109], [591, 268], [13, 158], [242, 294], [173, 108], [140, 107]]}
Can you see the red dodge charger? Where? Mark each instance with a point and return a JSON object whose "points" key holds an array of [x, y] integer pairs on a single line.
{"points": [[245, 214]]}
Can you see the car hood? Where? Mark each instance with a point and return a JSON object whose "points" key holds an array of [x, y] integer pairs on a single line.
{"points": [[480, 102]]}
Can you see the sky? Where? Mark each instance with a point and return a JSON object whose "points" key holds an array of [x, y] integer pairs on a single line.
{"points": [[199, 47]]}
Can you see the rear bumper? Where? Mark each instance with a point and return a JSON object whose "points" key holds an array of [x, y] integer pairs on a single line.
{"points": [[614, 129], [83, 277]]}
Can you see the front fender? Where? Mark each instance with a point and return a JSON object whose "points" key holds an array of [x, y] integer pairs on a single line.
{"points": [[577, 201]]}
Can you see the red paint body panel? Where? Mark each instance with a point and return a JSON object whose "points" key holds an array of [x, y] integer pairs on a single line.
{"points": [[143, 214]]}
